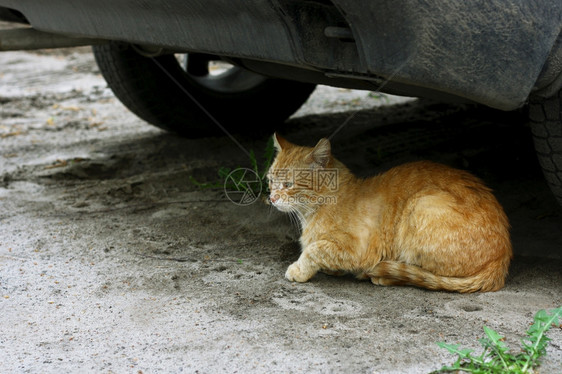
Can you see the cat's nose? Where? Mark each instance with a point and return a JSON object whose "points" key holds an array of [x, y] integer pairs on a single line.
{"points": [[273, 198]]}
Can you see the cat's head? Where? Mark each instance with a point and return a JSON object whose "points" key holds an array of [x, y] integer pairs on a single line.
{"points": [[301, 178]]}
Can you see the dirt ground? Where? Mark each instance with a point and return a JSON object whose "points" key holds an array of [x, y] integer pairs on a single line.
{"points": [[112, 261]]}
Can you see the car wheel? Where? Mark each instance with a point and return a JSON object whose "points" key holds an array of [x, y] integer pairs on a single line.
{"points": [[546, 124], [185, 96]]}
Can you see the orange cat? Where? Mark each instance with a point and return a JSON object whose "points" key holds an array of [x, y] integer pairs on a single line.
{"points": [[421, 224]]}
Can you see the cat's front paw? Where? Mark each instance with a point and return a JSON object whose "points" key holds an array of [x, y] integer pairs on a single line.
{"points": [[296, 274]]}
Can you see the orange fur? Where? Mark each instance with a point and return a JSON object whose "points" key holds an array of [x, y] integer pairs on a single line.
{"points": [[421, 223]]}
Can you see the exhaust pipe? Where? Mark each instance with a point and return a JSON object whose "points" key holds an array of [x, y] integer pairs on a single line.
{"points": [[29, 38]]}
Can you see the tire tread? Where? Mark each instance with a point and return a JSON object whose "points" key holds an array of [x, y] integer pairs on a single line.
{"points": [[149, 92], [546, 125]]}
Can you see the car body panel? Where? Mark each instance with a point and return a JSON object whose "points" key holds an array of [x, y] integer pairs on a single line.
{"points": [[492, 52]]}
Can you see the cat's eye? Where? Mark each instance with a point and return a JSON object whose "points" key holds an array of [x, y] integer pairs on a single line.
{"points": [[287, 184]]}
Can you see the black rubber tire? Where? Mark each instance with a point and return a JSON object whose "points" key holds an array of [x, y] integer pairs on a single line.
{"points": [[546, 123], [160, 92]]}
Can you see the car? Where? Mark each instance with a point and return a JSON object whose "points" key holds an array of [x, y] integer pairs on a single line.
{"points": [[201, 68]]}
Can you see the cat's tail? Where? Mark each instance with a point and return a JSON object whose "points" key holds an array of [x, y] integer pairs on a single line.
{"points": [[491, 278]]}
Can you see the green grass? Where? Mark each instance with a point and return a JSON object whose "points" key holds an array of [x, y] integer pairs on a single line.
{"points": [[497, 357], [238, 173]]}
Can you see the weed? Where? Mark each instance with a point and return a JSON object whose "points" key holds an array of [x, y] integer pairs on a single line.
{"points": [[496, 357], [233, 179]]}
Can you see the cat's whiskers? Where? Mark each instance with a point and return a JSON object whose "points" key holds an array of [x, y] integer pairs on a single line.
{"points": [[301, 212], [295, 220]]}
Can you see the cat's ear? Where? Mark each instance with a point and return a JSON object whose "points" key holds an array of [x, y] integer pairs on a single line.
{"points": [[279, 142], [320, 155]]}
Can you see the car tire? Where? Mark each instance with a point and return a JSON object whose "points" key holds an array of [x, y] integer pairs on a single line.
{"points": [[161, 92], [546, 124]]}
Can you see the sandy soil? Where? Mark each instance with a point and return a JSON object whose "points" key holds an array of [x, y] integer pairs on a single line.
{"points": [[112, 261]]}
